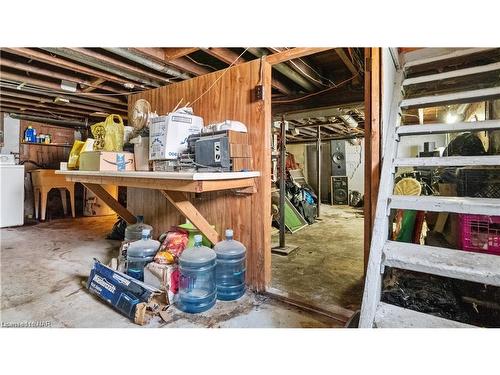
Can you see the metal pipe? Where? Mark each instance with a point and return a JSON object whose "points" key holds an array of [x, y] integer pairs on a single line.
{"points": [[159, 67], [47, 120], [282, 182], [285, 70], [318, 166], [348, 120], [96, 63], [313, 140]]}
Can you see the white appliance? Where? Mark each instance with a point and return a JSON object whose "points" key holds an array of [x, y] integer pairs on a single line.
{"points": [[11, 192]]}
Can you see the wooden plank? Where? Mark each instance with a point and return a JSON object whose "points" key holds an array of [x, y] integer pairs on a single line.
{"points": [[372, 142], [448, 161], [95, 84], [448, 128], [452, 74], [453, 98], [188, 176], [107, 198], [175, 53], [390, 316], [460, 205], [293, 53], [184, 205], [348, 63], [424, 56], [457, 264]]}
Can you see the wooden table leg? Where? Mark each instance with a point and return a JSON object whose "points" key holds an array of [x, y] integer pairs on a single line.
{"points": [[186, 208], [107, 198], [63, 200]]}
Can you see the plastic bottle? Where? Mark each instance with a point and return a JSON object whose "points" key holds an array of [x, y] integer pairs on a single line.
{"points": [[30, 134], [133, 232], [230, 270], [197, 289], [140, 253]]}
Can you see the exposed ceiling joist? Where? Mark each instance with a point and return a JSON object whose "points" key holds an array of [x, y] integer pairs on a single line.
{"points": [[58, 62], [95, 84], [227, 56], [348, 63], [175, 53], [293, 53]]}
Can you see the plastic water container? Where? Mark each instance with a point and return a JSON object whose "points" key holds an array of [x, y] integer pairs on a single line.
{"points": [[140, 253], [133, 232], [30, 134], [230, 271], [197, 289]]}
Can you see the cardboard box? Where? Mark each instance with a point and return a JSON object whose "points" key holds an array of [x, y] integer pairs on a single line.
{"points": [[132, 298], [106, 161], [168, 134]]}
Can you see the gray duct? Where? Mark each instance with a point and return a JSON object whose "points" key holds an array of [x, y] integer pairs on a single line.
{"points": [[348, 120], [285, 70], [138, 58], [46, 120]]}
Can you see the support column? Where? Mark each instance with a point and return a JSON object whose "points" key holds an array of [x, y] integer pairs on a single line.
{"points": [[318, 166]]}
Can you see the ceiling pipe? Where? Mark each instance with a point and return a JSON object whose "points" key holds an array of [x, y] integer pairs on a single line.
{"points": [[138, 58], [348, 120], [96, 63], [285, 70], [46, 120]]}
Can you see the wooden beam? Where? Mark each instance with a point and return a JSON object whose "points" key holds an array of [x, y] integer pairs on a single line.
{"points": [[54, 86], [56, 61], [175, 53], [107, 198], [186, 208], [372, 142], [229, 57], [348, 63], [293, 53], [95, 84], [30, 105], [38, 113], [179, 63]]}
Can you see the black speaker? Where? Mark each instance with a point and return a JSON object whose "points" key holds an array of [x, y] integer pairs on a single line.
{"points": [[340, 190]]}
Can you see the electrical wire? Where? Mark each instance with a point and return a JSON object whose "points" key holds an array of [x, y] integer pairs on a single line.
{"points": [[316, 93], [201, 64]]}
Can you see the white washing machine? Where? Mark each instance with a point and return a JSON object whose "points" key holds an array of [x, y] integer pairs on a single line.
{"points": [[11, 192]]}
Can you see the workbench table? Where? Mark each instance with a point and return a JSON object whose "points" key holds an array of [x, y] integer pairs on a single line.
{"points": [[172, 185]]}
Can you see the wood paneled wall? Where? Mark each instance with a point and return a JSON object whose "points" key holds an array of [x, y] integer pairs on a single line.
{"points": [[230, 97]]}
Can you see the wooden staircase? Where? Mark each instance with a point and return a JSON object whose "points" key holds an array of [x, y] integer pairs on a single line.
{"points": [[476, 267]]}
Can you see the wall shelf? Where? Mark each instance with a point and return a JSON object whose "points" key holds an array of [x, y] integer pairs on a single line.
{"points": [[47, 144]]}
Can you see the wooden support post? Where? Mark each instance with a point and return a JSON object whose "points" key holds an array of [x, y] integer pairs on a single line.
{"points": [[107, 198], [372, 142], [318, 167], [186, 208]]}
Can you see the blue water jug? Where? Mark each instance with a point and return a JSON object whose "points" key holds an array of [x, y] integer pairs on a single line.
{"points": [[197, 290], [230, 271], [140, 253], [30, 134]]}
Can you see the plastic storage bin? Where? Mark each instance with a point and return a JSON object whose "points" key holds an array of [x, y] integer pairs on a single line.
{"points": [[480, 233], [140, 253], [230, 270], [133, 232], [197, 289]]}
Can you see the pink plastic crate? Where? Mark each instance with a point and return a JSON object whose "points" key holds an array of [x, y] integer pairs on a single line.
{"points": [[480, 233]]}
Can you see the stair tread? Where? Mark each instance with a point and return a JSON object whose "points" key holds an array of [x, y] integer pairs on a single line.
{"points": [[457, 264], [448, 161], [461, 205], [449, 98], [452, 74], [391, 316], [447, 128], [442, 56]]}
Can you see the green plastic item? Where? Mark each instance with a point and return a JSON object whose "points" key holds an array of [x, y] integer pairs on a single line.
{"points": [[407, 226], [193, 231], [293, 220]]}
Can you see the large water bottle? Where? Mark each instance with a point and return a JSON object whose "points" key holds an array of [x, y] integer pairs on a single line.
{"points": [[140, 253], [133, 232], [197, 290], [230, 270]]}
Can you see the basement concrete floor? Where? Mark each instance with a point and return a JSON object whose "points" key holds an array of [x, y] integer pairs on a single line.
{"points": [[44, 268], [327, 268]]}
